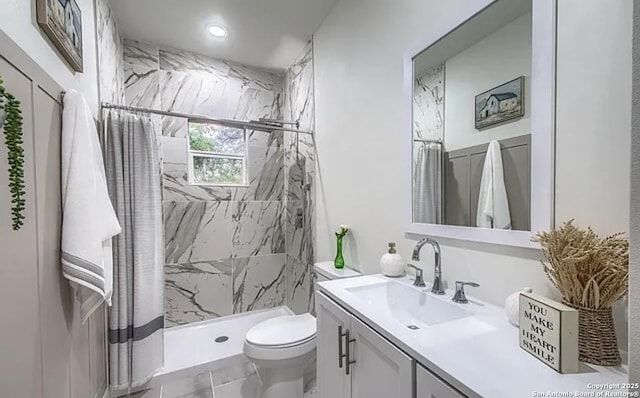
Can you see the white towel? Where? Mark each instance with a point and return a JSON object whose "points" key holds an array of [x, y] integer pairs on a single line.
{"points": [[89, 221], [493, 205]]}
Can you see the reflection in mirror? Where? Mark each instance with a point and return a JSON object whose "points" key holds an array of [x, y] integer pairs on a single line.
{"points": [[471, 125]]}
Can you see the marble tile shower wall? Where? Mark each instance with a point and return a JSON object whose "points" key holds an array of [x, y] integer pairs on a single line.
{"points": [[300, 181], [110, 67], [225, 247], [428, 104]]}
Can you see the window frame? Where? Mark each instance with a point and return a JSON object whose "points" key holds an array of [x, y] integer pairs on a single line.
{"points": [[217, 155]]}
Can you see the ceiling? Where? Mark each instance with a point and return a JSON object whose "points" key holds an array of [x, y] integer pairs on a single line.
{"points": [[496, 16], [264, 33]]}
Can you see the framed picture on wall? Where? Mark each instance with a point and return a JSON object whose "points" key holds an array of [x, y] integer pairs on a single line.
{"points": [[500, 104], [61, 20]]}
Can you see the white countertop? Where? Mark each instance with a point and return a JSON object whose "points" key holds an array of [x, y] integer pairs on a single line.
{"points": [[479, 355]]}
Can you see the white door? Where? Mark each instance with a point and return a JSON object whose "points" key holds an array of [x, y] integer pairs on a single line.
{"points": [[380, 370], [430, 386], [333, 323]]}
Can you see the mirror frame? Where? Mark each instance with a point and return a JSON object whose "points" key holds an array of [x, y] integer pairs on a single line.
{"points": [[542, 103]]}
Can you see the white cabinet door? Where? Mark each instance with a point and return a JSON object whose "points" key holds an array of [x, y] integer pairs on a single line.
{"points": [[429, 385], [333, 382], [380, 369]]}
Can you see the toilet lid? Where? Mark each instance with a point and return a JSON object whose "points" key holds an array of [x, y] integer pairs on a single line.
{"points": [[283, 330]]}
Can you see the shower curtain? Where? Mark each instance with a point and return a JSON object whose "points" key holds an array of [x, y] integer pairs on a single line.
{"points": [[136, 316], [427, 183]]}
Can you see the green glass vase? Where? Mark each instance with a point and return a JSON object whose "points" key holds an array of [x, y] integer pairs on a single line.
{"points": [[339, 261]]}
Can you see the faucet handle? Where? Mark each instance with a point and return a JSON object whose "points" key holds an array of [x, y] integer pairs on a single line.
{"points": [[419, 281], [460, 297]]}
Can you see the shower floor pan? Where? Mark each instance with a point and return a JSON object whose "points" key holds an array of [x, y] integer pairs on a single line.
{"points": [[209, 345]]}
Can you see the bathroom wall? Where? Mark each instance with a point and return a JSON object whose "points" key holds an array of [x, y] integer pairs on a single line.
{"points": [[109, 49], [634, 260], [20, 24], [502, 56], [595, 192], [46, 350], [361, 104], [225, 247]]}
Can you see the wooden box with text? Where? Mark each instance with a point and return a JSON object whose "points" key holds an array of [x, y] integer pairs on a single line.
{"points": [[549, 332]]}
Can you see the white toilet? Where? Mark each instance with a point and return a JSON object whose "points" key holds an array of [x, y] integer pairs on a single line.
{"points": [[283, 346]]}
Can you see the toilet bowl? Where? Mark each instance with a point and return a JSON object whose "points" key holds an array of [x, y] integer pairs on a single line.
{"points": [[282, 347]]}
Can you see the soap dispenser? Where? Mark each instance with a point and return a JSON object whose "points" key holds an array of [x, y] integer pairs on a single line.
{"points": [[392, 263]]}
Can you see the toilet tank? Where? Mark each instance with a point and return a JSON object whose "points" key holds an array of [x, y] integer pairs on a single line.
{"points": [[326, 271]]}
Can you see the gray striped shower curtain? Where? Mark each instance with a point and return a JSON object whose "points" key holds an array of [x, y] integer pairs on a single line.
{"points": [[427, 183], [136, 316]]}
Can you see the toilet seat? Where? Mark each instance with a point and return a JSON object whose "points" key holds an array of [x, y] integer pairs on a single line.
{"points": [[283, 331], [277, 347], [281, 338]]}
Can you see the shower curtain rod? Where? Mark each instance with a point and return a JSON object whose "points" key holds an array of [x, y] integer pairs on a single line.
{"points": [[267, 120], [428, 141], [200, 118]]}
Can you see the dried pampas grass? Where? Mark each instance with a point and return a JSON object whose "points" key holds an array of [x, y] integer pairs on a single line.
{"points": [[589, 271]]}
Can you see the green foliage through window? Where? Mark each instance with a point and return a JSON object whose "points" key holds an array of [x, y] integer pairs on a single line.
{"points": [[212, 170], [218, 154], [209, 137]]}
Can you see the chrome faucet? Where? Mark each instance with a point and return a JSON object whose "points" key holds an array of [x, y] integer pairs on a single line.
{"points": [[437, 287], [419, 281], [460, 297]]}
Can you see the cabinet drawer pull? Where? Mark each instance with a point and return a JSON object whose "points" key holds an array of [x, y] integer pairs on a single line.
{"points": [[348, 340], [340, 354]]}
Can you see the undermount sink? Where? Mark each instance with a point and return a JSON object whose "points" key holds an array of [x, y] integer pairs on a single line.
{"points": [[408, 305]]}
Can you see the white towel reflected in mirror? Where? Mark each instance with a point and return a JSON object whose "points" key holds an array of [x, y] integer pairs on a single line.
{"points": [[493, 204]]}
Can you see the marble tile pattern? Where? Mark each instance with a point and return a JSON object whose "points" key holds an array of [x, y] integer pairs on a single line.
{"points": [[233, 373], [300, 182], [246, 238], [195, 84], [110, 50], [299, 285], [258, 229], [231, 249], [141, 86], [140, 54], [258, 282], [198, 230], [299, 90], [142, 81], [428, 104], [198, 386], [237, 381], [197, 291]]}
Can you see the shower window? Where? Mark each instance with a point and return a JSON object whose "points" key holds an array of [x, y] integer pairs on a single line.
{"points": [[217, 154]]}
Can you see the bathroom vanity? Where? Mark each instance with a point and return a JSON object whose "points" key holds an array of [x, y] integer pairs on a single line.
{"points": [[382, 337]]}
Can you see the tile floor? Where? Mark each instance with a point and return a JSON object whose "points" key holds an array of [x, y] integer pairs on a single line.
{"points": [[241, 381]]}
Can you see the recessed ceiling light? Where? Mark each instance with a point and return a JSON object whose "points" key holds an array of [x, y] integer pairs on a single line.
{"points": [[217, 30]]}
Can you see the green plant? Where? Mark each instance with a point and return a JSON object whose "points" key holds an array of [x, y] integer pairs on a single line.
{"points": [[339, 260], [15, 153]]}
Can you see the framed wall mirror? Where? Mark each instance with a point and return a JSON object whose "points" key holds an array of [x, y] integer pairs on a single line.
{"points": [[482, 126]]}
